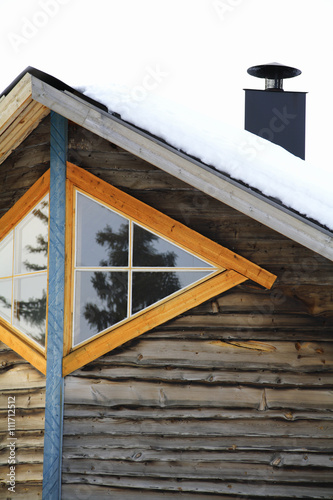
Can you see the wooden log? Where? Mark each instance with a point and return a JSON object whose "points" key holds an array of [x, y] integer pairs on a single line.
{"points": [[242, 489], [25, 473], [32, 439], [296, 357], [212, 376], [192, 427], [81, 490], [29, 398], [23, 492], [137, 454], [24, 420], [22, 456], [195, 413], [305, 334], [22, 376], [225, 471], [163, 394], [255, 320], [273, 444]]}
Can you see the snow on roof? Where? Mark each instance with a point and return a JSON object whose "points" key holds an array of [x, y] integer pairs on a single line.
{"points": [[297, 184]]}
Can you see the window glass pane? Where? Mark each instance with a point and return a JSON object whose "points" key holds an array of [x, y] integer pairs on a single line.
{"points": [[6, 256], [102, 235], [149, 250], [31, 240], [150, 287], [30, 306], [100, 302], [6, 299]]}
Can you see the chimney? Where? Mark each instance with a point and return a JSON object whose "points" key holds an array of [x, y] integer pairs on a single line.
{"points": [[273, 113]]}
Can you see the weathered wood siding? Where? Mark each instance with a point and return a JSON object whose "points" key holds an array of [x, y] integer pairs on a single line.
{"points": [[24, 166], [19, 380], [17, 377], [231, 400]]}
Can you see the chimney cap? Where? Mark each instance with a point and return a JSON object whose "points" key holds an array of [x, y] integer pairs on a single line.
{"points": [[273, 71]]}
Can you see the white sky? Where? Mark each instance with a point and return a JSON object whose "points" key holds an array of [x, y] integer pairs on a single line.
{"points": [[193, 51]]}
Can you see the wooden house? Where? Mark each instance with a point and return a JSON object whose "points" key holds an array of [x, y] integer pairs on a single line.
{"points": [[166, 331]]}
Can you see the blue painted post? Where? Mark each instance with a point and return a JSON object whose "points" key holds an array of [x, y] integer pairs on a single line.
{"points": [[54, 380]]}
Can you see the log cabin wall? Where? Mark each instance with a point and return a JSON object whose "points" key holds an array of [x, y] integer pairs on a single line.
{"points": [[24, 386], [231, 400], [17, 377]]}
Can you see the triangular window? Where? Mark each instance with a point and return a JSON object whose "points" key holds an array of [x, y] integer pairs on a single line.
{"points": [[122, 268], [24, 274], [130, 268]]}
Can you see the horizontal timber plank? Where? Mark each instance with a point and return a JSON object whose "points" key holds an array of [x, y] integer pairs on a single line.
{"points": [[77, 490], [163, 394], [182, 469], [255, 490], [193, 427], [22, 376], [306, 334], [254, 319], [213, 376], [137, 454], [25, 439], [31, 419], [25, 473], [29, 398], [297, 357], [141, 412], [22, 456], [23, 491], [272, 444]]}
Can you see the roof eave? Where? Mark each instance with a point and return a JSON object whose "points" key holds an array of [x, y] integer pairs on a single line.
{"points": [[94, 118]]}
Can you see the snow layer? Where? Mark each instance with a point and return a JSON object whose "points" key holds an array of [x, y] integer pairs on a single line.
{"points": [[275, 172]]}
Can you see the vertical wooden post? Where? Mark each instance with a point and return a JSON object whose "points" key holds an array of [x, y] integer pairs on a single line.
{"points": [[54, 379]]}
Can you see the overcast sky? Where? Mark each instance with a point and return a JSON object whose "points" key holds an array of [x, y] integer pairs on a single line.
{"points": [[193, 51]]}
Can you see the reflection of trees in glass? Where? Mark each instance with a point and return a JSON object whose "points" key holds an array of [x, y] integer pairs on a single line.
{"points": [[33, 310], [111, 287], [41, 242]]}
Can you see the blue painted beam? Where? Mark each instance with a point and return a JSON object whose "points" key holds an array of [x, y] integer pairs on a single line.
{"points": [[54, 380]]}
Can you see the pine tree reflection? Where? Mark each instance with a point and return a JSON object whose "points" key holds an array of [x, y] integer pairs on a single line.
{"points": [[30, 314], [111, 287]]}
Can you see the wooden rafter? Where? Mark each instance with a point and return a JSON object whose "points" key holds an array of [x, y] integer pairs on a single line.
{"points": [[19, 116]]}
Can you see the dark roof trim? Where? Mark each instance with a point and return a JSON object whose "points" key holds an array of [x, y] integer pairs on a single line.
{"points": [[54, 82]]}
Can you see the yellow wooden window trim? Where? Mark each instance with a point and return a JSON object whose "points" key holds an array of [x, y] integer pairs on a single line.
{"points": [[29, 350], [234, 269]]}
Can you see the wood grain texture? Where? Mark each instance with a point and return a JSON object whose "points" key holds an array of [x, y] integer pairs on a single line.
{"points": [[19, 116], [228, 400], [21, 380]]}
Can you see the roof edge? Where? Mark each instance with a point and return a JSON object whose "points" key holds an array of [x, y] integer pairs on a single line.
{"points": [[72, 104]]}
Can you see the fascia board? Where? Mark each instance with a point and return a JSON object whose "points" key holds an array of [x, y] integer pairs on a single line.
{"points": [[184, 168]]}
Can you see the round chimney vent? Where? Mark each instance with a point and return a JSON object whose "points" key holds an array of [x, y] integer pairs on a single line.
{"points": [[274, 73]]}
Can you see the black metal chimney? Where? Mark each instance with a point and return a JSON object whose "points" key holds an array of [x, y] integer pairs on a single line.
{"points": [[274, 114]]}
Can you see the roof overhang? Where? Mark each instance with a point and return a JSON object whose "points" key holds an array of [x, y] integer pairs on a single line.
{"points": [[32, 97]]}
